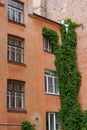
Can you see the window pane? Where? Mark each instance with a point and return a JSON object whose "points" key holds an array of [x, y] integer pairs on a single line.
{"points": [[50, 81], [15, 4], [20, 43], [51, 121], [50, 48], [19, 17], [10, 86], [50, 88], [9, 13], [12, 54], [8, 99], [56, 85], [12, 100], [19, 103], [14, 13], [18, 57], [21, 87], [47, 124], [18, 100], [50, 84], [47, 45], [45, 80]]}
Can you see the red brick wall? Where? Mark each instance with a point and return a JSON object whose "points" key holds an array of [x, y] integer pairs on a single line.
{"points": [[76, 10], [37, 103], [3, 64]]}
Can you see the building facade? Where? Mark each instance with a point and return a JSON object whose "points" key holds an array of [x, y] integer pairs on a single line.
{"points": [[75, 10], [28, 73], [28, 89]]}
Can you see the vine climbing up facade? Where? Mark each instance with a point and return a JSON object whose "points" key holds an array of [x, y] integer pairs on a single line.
{"points": [[69, 78]]}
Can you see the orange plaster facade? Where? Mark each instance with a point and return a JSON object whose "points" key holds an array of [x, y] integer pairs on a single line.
{"points": [[37, 102]]}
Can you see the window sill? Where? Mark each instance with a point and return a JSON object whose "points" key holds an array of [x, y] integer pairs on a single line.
{"points": [[17, 23], [16, 63], [48, 52], [16, 110], [53, 94]]}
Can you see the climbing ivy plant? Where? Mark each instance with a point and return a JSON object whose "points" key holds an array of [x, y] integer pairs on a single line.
{"points": [[69, 78]]}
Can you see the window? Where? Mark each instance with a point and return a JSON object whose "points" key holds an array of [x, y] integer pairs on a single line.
{"points": [[15, 94], [51, 82], [46, 45], [15, 49], [15, 11], [52, 121]]}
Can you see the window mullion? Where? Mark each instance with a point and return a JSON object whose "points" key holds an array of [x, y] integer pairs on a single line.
{"points": [[22, 100], [15, 99], [16, 14], [9, 99], [22, 56], [9, 52], [15, 53], [11, 13], [21, 13]]}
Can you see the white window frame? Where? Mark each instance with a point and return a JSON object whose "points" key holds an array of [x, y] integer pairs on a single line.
{"points": [[53, 84], [49, 47], [14, 11], [49, 122], [22, 100], [10, 96], [14, 49], [54, 121]]}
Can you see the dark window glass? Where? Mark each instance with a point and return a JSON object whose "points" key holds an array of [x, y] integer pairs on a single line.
{"points": [[15, 94], [46, 45], [15, 11], [52, 121], [15, 49]]}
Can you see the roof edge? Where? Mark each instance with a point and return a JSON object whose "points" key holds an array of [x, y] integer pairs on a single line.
{"points": [[45, 18]]}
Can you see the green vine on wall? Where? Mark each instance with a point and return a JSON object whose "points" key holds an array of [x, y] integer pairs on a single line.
{"points": [[70, 113], [69, 77]]}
